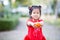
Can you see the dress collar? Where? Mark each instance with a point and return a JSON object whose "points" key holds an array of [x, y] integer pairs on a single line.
{"points": [[35, 20]]}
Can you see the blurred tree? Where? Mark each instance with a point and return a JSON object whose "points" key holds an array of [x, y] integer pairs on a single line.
{"points": [[40, 2], [24, 2], [15, 3], [58, 8], [54, 5], [1, 9]]}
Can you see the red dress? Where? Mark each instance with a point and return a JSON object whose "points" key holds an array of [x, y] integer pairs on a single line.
{"points": [[34, 33]]}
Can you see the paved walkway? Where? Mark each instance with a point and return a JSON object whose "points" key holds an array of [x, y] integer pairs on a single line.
{"points": [[50, 32]]}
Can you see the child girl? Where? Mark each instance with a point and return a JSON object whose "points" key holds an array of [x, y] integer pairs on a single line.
{"points": [[35, 24]]}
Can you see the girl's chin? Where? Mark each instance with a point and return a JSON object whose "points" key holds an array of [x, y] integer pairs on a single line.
{"points": [[36, 18]]}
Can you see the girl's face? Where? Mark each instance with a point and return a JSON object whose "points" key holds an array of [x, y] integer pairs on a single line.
{"points": [[35, 14]]}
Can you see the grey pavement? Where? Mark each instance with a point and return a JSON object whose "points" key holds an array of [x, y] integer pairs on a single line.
{"points": [[50, 32]]}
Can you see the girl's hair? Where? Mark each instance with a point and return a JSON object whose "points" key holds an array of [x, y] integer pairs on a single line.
{"points": [[34, 7]]}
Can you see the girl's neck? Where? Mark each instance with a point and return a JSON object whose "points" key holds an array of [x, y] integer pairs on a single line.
{"points": [[34, 19]]}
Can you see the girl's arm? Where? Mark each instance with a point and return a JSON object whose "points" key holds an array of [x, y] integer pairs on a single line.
{"points": [[29, 23]]}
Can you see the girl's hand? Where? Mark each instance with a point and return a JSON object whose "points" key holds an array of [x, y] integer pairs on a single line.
{"points": [[37, 25]]}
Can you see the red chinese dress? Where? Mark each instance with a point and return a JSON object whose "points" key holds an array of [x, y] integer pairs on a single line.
{"points": [[34, 33]]}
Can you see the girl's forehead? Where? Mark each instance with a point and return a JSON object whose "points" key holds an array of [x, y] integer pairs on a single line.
{"points": [[34, 10]]}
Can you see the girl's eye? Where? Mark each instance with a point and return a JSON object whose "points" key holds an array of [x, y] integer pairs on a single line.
{"points": [[34, 13], [37, 12]]}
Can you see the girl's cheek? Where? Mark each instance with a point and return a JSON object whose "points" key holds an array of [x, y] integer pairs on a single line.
{"points": [[32, 14], [38, 15]]}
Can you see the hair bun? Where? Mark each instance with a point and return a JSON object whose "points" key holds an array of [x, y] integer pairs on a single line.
{"points": [[39, 6], [30, 8]]}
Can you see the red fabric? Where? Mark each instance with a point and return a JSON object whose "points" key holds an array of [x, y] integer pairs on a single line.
{"points": [[34, 33], [26, 38]]}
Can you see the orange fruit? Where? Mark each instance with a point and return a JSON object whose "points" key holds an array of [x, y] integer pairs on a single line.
{"points": [[38, 25]]}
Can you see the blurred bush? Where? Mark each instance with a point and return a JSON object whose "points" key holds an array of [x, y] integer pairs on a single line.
{"points": [[55, 22], [59, 15], [24, 15], [8, 23]]}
